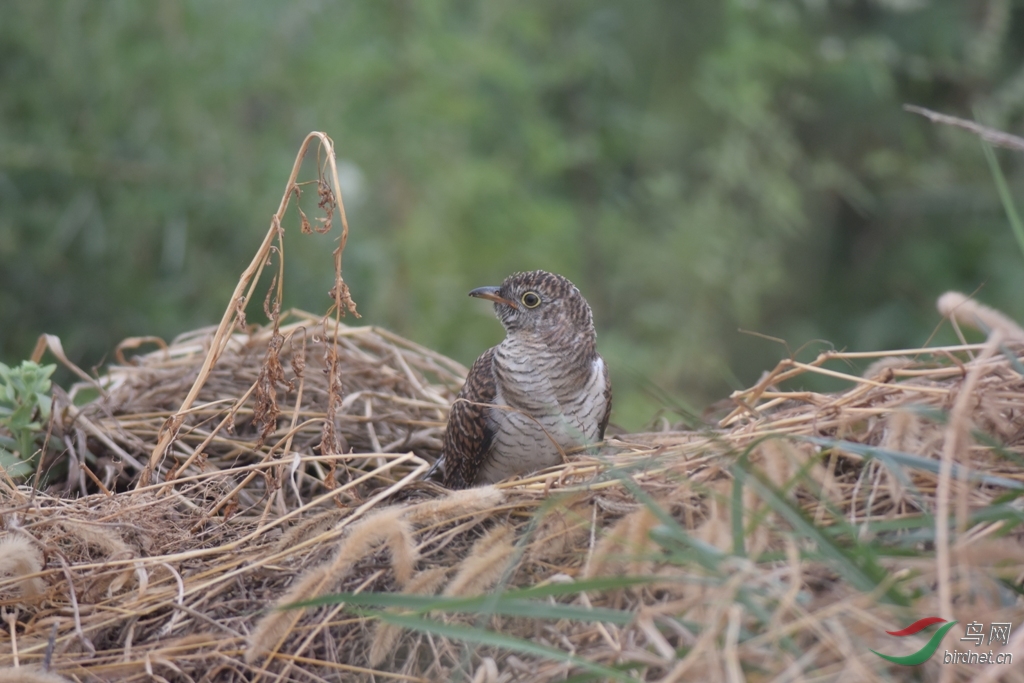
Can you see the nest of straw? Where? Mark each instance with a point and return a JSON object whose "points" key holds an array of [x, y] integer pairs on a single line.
{"points": [[238, 470], [177, 578]]}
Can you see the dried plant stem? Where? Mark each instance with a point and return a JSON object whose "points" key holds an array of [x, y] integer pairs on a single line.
{"points": [[995, 137], [957, 433], [237, 302]]}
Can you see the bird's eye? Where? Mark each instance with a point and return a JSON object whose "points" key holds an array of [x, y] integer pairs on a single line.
{"points": [[531, 300]]}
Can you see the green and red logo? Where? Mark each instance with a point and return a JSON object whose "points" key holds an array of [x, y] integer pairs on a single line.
{"points": [[929, 648]]}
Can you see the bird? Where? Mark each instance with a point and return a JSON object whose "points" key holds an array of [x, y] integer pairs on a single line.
{"points": [[543, 390]]}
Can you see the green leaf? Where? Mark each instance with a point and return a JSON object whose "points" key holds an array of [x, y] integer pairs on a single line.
{"points": [[14, 465], [43, 403]]}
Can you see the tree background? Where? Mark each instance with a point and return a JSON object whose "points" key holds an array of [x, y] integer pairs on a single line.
{"points": [[694, 167]]}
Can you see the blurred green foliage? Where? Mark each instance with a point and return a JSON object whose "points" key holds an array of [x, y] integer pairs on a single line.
{"points": [[695, 167]]}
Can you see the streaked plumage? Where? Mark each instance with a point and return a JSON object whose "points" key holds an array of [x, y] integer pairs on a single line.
{"points": [[541, 391]]}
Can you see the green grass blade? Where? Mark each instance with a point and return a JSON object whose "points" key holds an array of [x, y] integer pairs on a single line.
{"points": [[490, 638], [504, 606], [1012, 359], [708, 555], [863, 571], [909, 460], [600, 584], [736, 512], [1004, 194]]}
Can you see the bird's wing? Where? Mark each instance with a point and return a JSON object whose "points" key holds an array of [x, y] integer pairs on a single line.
{"points": [[607, 401], [468, 436]]}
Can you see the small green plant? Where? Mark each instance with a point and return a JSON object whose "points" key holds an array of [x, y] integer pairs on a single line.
{"points": [[24, 407]]}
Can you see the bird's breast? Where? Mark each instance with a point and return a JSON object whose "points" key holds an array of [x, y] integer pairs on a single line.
{"points": [[545, 405]]}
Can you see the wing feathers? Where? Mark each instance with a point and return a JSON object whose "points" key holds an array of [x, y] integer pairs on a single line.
{"points": [[607, 402], [468, 436]]}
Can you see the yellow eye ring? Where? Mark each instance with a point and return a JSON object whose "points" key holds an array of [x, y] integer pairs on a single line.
{"points": [[531, 300]]}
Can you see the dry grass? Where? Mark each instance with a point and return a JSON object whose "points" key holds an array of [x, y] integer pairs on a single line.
{"points": [[175, 578], [233, 471]]}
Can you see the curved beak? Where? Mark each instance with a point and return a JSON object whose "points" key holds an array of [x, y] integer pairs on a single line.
{"points": [[492, 294]]}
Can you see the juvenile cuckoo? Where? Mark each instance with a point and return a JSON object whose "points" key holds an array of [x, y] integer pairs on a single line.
{"points": [[540, 392]]}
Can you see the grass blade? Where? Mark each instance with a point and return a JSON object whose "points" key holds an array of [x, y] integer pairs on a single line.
{"points": [[736, 512], [909, 460], [1004, 194], [865, 574], [708, 555], [504, 606], [484, 637]]}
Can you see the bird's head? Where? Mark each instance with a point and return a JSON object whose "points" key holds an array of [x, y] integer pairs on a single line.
{"points": [[539, 302]]}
